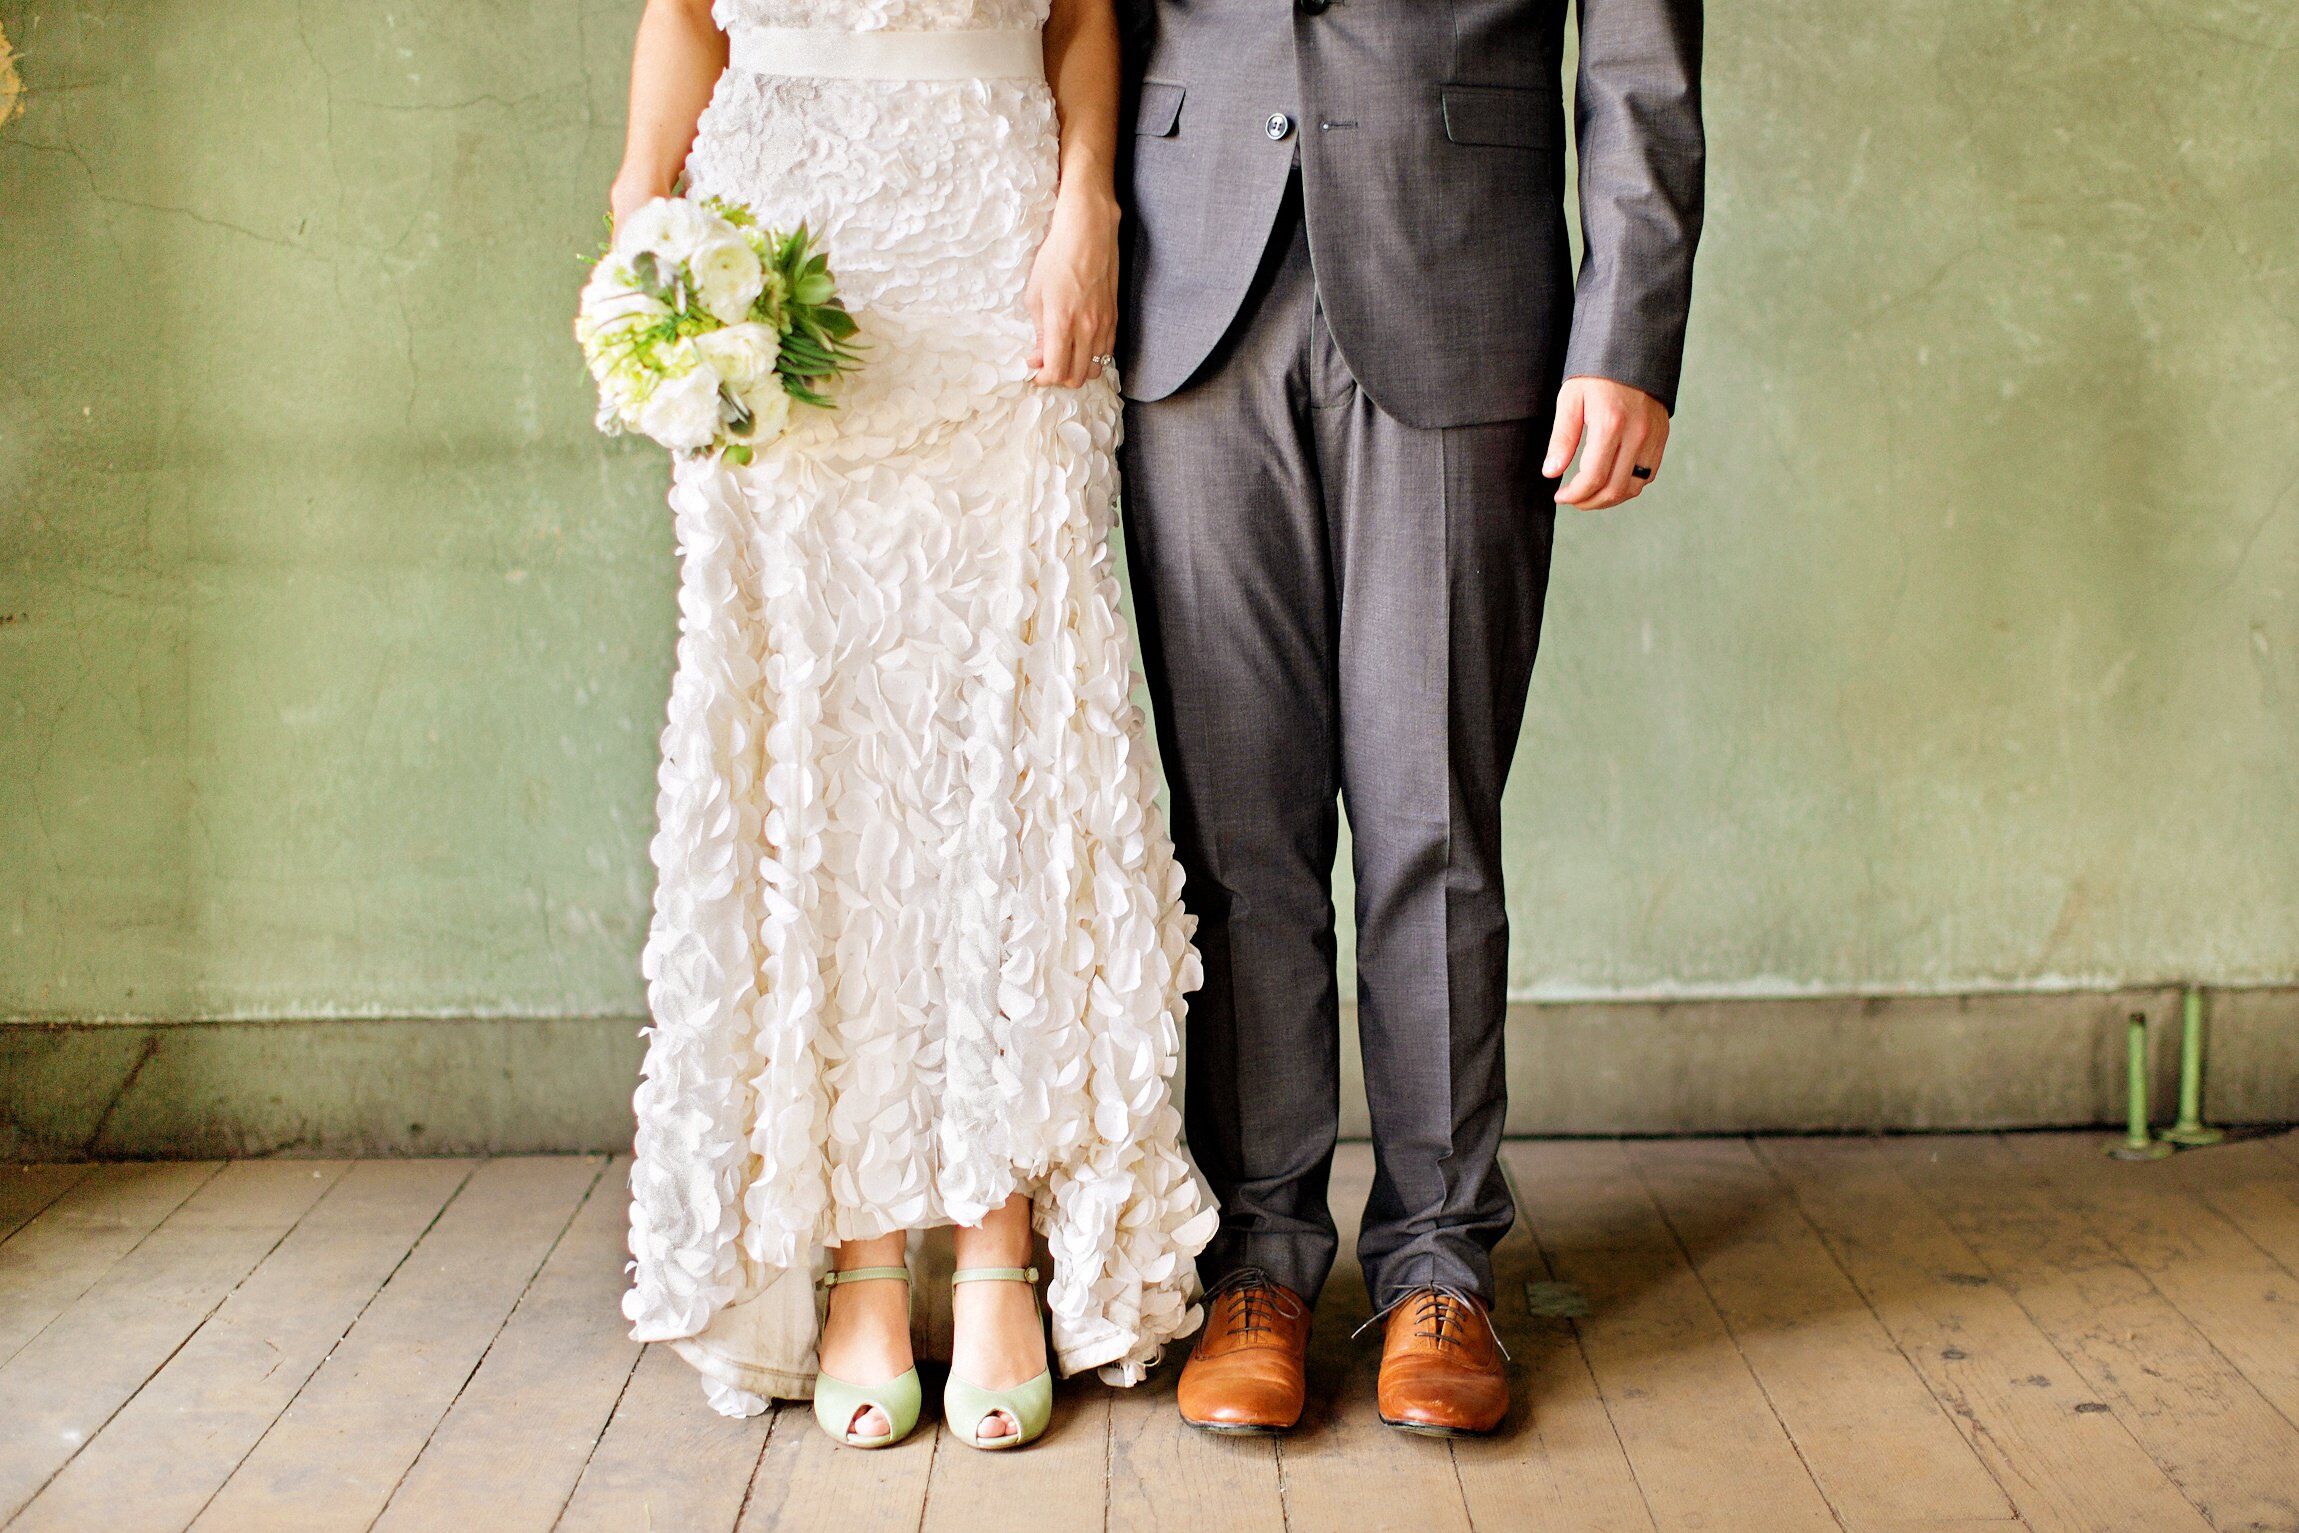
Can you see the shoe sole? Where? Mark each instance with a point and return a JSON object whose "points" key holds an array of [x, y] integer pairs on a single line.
{"points": [[1422, 1429], [1229, 1429]]}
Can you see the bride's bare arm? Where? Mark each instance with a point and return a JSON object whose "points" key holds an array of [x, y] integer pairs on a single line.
{"points": [[675, 66], [1074, 281]]}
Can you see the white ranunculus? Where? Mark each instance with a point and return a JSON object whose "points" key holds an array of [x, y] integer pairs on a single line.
{"points": [[672, 227], [769, 406], [741, 354], [727, 275], [607, 301], [682, 413]]}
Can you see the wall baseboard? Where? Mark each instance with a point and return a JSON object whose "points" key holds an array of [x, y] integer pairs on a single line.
{"points": [[436, 1086]]}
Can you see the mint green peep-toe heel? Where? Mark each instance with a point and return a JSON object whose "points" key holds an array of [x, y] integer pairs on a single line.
{"points": [[1029, 1405], [837, 1403]]}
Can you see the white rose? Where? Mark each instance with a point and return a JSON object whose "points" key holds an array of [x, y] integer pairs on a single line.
{"points": [[682, 413], [727, 276], [671, 227], [740, 354]]}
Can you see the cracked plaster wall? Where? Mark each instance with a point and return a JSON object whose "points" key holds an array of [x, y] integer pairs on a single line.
{"points": [[1960, 649]]}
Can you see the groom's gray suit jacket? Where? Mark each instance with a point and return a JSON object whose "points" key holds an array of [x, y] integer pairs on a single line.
{"points": [[1430, 136]]}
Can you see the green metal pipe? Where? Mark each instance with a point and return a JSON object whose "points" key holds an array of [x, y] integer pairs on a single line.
{"points": [[2136, 1143], [2135, 1069], [2191, 1129]]}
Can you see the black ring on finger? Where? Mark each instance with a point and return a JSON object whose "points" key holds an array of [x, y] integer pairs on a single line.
{"points": [[1640, 472]]}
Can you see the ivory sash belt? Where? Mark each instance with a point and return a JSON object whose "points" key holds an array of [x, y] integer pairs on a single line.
{"points": [[829, 53]]}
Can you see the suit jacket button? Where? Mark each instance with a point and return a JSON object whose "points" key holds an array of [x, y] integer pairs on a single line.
{"points": [[1278, 125], [1311, 7]]}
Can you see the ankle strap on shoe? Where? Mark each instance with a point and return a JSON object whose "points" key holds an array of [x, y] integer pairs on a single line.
{"points": [[864, 1275], [994, 1275]]}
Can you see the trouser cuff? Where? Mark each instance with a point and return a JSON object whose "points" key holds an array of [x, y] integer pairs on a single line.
{"points": [[1430, 1263], [1297, 1262]]}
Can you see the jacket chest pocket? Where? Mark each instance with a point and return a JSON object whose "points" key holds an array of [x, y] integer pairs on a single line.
{"points": [[1501, 117], [1158, 113]]}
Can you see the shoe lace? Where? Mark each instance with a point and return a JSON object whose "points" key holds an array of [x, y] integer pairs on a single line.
{"points": [[1437, 1312], [1259, 1299]]}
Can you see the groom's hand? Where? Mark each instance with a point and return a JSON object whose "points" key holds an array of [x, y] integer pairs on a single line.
{"points": [[1618, 430]]}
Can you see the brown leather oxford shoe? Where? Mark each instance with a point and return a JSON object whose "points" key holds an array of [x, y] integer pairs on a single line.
{"points": [[1443, 1372], [1248, 1372]]}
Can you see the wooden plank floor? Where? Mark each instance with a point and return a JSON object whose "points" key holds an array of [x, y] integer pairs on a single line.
{"points": [[1982, 1332]]}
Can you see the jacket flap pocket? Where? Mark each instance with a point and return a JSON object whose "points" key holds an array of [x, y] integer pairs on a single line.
{"points": [[1498, 115], [1158, 114]]}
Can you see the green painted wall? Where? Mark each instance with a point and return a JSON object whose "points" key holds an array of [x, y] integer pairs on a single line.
{"points": [[1960, 650]]}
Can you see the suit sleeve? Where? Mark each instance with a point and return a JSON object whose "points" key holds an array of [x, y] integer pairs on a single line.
{"points": [[1642, 159]]}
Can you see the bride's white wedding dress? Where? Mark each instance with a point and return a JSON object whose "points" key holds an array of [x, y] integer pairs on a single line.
{"points": [[917, 940]]}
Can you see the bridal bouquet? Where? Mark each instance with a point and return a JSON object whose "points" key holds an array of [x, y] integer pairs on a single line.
{"points": [[702, 328]]}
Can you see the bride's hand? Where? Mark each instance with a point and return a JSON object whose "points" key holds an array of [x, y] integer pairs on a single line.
{"points": [[1073, 291], [630, 193]]}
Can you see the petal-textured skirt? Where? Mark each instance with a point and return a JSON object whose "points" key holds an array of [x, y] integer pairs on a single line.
{"points": [[917, 941]]}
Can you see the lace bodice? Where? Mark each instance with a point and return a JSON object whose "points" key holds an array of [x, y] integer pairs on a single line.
{"points": [[928, 195], [882, 15]]}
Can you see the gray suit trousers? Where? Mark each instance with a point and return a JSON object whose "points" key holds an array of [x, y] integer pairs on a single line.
{"points": [[1335, 605]]}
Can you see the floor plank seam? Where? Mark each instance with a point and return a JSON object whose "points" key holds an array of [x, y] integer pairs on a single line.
{"points": [[53, 1199], [336, 1345], [1960, 1418], [1109, 1447], [2011, 1291], [1581, 1351], [1110, 1461], [1974, 1430], [185, 1340], [2197, 1198], [2087, 1211], [1596, 1387], [485, 1352], [1284, 1491], [2249, 1239], [2087, 1216], [600, 1436], [1965, 1425], [1724, 1322], [1461, 1487], [749, 1485], [926, 1480], [133, 1247]]}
